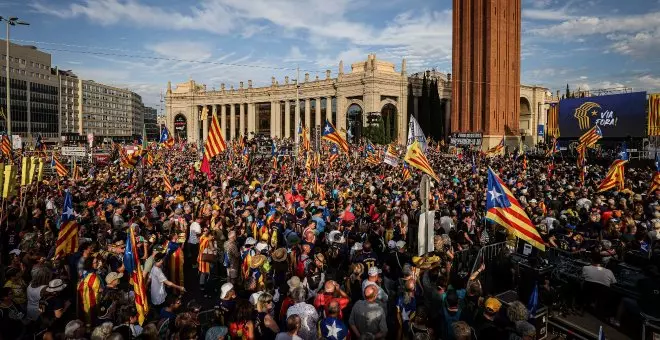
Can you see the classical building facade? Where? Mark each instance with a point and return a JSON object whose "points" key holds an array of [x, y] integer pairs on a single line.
{"points": [[486, 68], [371, 86]]}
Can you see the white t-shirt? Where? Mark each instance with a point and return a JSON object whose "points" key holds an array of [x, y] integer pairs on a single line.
{"points": [[195, 230], [158, 293]]}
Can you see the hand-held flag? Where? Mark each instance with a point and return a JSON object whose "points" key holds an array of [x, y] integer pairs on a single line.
{"points": [[67, 238], [416, 158], [133, 269], [331, 135], [504, 209]]}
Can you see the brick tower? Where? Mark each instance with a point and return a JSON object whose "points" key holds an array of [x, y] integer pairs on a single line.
{"points": [[486, 68]]}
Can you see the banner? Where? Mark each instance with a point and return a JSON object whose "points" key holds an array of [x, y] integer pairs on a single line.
{"points": [[466, 139], [619, 115], [415, 132]]}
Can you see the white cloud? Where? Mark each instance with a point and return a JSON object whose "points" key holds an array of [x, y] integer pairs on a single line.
{"points": [[639, 44], [586, 25], [183, 50], [546, 14], [650, 81], [295, 55], [348, 56], [210, 16]]}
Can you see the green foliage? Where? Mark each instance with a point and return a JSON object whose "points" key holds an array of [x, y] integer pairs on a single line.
{"points": [[376, 133]]}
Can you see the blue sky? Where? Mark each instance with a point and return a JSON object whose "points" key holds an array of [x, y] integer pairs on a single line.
{"points": [[141, 44]]}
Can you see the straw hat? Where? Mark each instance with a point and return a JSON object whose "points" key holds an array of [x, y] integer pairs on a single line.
{"points": [[279, 255], [426, 262], [257, 261]]}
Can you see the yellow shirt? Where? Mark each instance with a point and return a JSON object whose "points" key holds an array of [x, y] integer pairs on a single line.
{"points": [[19, 291]]}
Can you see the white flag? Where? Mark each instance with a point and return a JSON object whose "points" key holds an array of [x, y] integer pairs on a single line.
{"points": [[415, 133]]}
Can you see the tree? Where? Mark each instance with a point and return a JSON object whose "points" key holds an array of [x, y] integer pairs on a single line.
{"points": [[437, 119], [568, 92], [424, 107], [376, 132]]}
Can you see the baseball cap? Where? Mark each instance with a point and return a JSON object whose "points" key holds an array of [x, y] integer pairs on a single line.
{"points": [[373, 271], [400, 244], [112, 276], [493, 305], [226, 288]]}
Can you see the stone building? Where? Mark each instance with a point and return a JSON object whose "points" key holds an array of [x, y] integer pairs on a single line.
{"points": [[69, 114], [371, 86]]}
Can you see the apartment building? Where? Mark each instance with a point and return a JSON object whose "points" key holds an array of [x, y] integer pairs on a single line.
{"points": [[151, 123], [69, 114], [108, 111], [34, 92]]}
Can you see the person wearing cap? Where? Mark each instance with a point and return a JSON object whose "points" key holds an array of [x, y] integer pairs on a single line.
{"points": [[111, 296], [367, 256], [374, 279], [57, 305], [488, 324], [315, 275], [227, 304]]}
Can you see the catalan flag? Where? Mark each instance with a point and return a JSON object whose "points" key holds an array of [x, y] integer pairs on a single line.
{"points": [[76, 172], [334, 154], [149, 159], [167, 183], [391, 156], [176, 263], [524, 165], [330, 134], [554, 148], [655, 182], [371, 155], [130, 160], [6, 146], [89, 290], [503, 208], [590, 138], [406, 172], [416, 158], [67, 238], [215, 144], [166, 138], [133, 269], [497, 149], [308, 164], [246, 155], [654, 115], [318, 188], [58, 166], [614, 177]]}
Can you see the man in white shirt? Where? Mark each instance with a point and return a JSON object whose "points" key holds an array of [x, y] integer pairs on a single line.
{"points": [[159, 281], [595, 272], [193, 240]]}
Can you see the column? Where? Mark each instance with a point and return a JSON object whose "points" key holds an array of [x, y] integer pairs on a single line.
{"points": [[232, 122], [308, 115], [205, 126], [341, 113], [223, 121], [287, 119], [448, 126], [251, 120], [241, 119], [318, 111], [272, 120], [328, 109]]}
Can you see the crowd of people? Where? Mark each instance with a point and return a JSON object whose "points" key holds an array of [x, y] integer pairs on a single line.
{"points": [[256, 251]]}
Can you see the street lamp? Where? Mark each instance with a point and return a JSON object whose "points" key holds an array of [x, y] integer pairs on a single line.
{"points": [[12, 21]]}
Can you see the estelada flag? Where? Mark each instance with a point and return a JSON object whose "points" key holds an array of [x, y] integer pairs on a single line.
{"points": [[614, 177], [167, 183], [59, 167], [67, 238], [133, 269], [215, 144], [416, 158], [89, 290], [176, 262], [330, 134], [504, 209]]}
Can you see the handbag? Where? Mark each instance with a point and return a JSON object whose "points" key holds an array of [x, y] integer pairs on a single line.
{"points": [[209, 255]]}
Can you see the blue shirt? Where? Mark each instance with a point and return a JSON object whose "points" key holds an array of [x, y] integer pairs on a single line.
{"points": [[333, 329], [320, 223]]}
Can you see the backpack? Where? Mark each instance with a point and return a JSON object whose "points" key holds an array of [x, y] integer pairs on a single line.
{"points": [[300, 267]]}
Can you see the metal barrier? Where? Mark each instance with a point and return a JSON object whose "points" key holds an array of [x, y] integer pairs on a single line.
{"points": [[487, 254]]}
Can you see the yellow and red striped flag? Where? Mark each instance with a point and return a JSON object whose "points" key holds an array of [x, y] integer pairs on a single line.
{"points": [[614, 177], [495, 150], [655, 183], [176, 262], [133, 269], [654, 115], [6, 146], [416, 158], [89, 290], [67, 238], [59, 167], [214, 145], [504, 209], [590, 138], [150, 159], [167, 183], [406, 172], [76, 172], [331, 134]]}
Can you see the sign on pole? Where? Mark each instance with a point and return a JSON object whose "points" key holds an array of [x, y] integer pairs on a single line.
{"points": [[426, 219], [90, 139], [78, 151]]}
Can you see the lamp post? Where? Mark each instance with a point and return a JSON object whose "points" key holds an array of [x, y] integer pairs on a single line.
{"points": [[12, 21]]}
